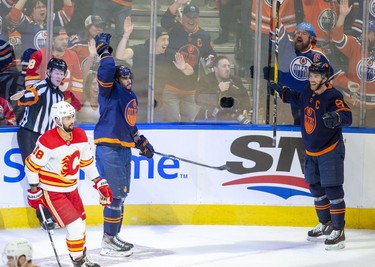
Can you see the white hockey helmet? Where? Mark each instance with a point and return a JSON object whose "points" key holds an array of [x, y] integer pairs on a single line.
{"points": [[18, 247], [62, 109]]}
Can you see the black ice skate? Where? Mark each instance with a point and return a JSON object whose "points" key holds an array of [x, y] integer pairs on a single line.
{"points": [[336, 240], [320, 232]]}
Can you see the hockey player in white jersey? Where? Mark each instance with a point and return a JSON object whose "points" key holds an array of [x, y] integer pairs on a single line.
{"points": [[53, 172]]}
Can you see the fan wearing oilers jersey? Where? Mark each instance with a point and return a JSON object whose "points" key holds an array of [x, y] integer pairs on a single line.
{"points": [[115, 134], [352, 48], [29, 18], [325, 113], [295, 56]]}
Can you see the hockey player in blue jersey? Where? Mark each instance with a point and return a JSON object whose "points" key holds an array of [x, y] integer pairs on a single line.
{"points": [[295, 57], [324, 115], [115, 134]]}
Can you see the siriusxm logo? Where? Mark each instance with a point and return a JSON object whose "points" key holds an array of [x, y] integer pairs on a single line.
{"points": [[284, 186]]}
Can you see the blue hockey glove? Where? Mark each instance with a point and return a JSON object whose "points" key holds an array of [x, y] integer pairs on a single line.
{"points": [[277, 87], [331, 119], [145, 147], [102, 43]]}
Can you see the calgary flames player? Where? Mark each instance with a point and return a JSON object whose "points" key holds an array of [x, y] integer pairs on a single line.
{"points": [[53, 172]]}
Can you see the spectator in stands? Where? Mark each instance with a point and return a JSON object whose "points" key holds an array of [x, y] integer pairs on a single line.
{"points": [[29, 18], [89, 112], [84, 45], [352, 49], [36, 70], [5, 6], [194, 43], [222, 96], [167, 63]]}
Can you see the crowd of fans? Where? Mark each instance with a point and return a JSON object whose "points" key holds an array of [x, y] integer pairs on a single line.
{"points": [[185, 53]]}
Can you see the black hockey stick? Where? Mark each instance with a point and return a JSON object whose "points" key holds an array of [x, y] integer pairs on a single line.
{"points": [[49, 234], [276, 15], [220, 168]]}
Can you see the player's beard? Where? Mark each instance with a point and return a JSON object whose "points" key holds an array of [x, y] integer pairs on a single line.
{"points": [[301, 46], [69, 128]]}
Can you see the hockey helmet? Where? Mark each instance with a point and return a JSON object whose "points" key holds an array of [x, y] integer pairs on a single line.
{"points": [[19, 247], [57, 63], [320, 67], [304, 26], [62, 109], [122, 71]]}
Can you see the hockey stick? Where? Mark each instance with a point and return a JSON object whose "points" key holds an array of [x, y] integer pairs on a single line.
{"points": [[220, 168], [49, 233], [276, 15]]}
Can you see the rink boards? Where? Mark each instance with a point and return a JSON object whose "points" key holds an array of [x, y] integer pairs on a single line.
{"points": [[264, 185]]}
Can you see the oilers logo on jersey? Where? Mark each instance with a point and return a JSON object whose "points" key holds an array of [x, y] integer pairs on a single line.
{"points": [[370, 75], [130, 112], [40, 39], [299, 68], [327, 19]]}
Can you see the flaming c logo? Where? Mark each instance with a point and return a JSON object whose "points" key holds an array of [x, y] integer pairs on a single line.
{"points": [[67, 163], [310, 119]]}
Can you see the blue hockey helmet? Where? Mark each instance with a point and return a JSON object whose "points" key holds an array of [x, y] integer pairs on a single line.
{"points": [[122, 71], [304, 26]]}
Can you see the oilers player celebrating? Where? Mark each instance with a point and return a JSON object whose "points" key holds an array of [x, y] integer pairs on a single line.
{"points": [[324, 114], [115, 134]]}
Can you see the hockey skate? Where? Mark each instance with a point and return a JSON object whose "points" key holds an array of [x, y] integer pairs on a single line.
{"points": [[320, 232], [115, 247], [83, 261], [336, 240], [123, 242]]}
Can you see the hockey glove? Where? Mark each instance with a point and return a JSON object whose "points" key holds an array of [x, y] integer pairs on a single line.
{"points": [[104, 190], [102, 43], [277, 87], [36, 198], [145, 147], [331, 119]]}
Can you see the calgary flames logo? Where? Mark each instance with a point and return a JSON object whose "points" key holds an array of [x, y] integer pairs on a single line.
{"points": [[70, 164], [310, 120]]}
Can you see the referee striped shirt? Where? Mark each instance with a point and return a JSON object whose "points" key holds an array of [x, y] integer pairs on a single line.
{"points": [[38, 101]]}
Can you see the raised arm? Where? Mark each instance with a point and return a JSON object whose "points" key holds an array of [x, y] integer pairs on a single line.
{"points": [[123, 53]]}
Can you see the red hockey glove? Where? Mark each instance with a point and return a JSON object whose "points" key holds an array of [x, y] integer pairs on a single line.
{"points": [[104, 190], [36, 198]]}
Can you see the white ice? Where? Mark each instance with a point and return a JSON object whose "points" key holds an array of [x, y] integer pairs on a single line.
{"points": [[216, 246]]}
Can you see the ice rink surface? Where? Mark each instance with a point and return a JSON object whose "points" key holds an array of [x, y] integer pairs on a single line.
{"points": [[214, 246]]}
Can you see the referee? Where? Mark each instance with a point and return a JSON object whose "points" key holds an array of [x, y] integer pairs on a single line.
{"points": [[38, 100]]}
